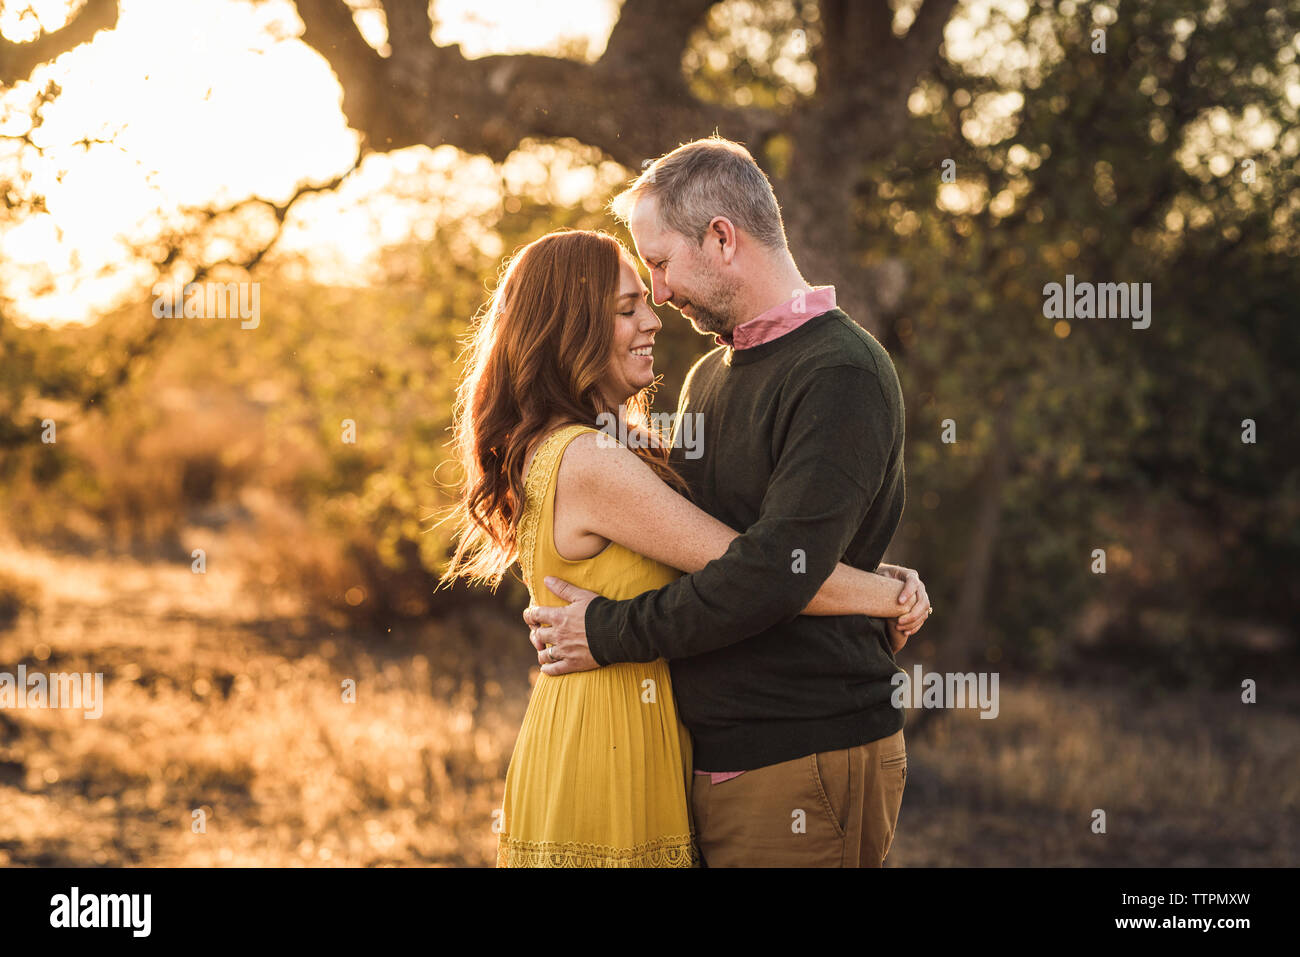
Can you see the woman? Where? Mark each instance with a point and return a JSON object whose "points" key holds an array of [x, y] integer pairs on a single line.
{"points": [[601, 769]]}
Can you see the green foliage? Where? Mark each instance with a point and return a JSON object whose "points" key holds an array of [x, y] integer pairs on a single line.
{"points": [[1111, 172]]}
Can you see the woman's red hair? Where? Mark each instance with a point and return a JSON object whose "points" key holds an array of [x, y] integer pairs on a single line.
{"points": [[538, 352]]}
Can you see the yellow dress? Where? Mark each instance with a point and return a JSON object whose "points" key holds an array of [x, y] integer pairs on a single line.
{"points": [[602, 765]]}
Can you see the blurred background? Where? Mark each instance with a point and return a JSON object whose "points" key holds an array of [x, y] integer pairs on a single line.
{"points": [[232, 519]]}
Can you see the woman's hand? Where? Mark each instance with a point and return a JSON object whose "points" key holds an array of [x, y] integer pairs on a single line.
{"points": [[897, 637], [914, 601]]}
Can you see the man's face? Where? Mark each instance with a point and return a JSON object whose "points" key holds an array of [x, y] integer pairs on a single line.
{"points": [[683, 274]]}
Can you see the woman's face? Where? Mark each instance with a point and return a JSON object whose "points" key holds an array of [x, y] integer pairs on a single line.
{"points": [[631, 367]]}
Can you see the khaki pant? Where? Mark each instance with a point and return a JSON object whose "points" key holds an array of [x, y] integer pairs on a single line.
{"points": [[833, 809]]}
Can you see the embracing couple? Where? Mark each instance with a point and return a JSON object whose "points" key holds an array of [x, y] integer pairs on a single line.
{"points": [[715, 630]]}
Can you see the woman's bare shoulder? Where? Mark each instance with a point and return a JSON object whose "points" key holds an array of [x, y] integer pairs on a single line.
{"points": [[596, 462]]}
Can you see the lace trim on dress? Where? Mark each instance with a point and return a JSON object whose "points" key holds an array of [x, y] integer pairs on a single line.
{"points": [[676, 850], [535, 485]]}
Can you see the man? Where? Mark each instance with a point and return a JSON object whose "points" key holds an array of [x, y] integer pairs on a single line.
{"points": [[799, 752]]}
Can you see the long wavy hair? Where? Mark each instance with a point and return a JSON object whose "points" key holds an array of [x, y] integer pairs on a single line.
{"points": [[538, 351]]}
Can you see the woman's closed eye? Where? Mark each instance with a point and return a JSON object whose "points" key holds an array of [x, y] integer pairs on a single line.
{"points": [[632, 311]]}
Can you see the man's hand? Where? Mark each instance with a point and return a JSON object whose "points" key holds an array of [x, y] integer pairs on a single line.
{"points": [[913, 594], [567, 634]]}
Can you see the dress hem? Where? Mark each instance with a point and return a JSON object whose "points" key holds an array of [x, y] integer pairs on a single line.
{"points": [[677, 850]]}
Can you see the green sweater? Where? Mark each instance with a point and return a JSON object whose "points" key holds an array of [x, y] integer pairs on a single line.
{"points": [[803, 450]]}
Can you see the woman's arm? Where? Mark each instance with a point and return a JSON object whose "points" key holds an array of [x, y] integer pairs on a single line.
{"points": [[612, 493]]}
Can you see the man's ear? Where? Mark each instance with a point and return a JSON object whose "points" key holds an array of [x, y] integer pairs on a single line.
{"points": [[721, 236]]}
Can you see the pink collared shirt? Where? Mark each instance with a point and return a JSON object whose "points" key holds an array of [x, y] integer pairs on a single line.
{"points": [[779, 320], [770, 325]]}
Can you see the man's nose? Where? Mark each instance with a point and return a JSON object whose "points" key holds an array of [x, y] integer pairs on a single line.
{"points": [[659, 290]]}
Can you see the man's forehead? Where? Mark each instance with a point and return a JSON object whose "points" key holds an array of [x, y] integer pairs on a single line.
{"points": [[643, 223]]}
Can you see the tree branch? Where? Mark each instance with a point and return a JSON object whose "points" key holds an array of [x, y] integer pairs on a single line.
{"points": [[329, 29], [18, 60], [490, 104], [856, 38], [16, 433], [652, 36], [921, 45], [409, 36]]}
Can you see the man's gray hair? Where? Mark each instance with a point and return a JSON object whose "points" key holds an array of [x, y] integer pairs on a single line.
{"points": [[703, 179]]}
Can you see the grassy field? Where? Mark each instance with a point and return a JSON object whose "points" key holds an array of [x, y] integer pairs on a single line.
{"points": [[227, 698]]}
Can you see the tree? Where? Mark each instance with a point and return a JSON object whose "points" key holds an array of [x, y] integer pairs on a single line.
{"points": [[1132, 162], [18, 60], [635, 103], [48, 365], [23, 374]]}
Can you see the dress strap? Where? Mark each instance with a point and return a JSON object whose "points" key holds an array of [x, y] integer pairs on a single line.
{"points": [[540, 472]]}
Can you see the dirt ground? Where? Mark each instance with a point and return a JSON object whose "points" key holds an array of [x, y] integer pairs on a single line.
{"points": [[226, 739]]}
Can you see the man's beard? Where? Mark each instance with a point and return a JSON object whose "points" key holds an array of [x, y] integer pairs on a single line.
{"points": [[706, 321], [717, 313]]}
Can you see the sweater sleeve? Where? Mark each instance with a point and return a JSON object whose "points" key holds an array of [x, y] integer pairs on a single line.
{"points": [[838, 440]]}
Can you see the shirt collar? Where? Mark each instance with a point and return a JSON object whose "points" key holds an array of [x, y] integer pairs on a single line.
{"points": [[779, 320]]}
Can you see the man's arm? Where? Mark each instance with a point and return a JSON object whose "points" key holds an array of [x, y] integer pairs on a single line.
{"points": [[659, 523], [841, 434]]}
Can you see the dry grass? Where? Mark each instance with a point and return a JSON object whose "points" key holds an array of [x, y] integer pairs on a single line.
{"points": [[242, 717], [220, 699], [1184, 778]]}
